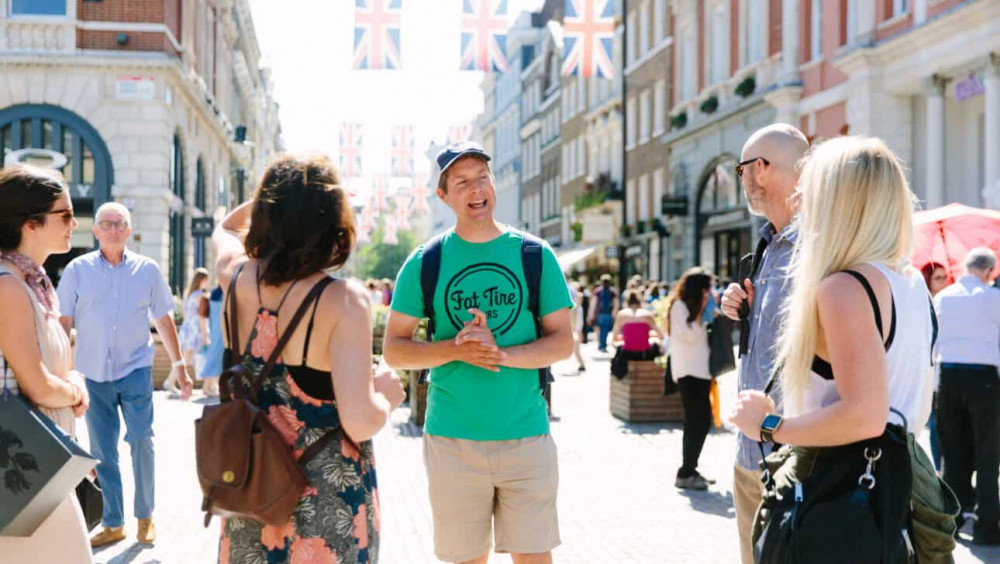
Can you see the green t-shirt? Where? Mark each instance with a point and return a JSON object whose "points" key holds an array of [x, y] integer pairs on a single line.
{"points": [[465, 401]]}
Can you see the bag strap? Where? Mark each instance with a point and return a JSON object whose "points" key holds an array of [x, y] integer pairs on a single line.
{"points": [[314, 294], [749, 265], [531, 261], [430, 269], [231, 319]]}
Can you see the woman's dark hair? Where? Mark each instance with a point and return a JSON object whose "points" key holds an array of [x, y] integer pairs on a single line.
{"points": [[633, 299], [928, 271], [690, 289], [26, 193], [301, 221]]}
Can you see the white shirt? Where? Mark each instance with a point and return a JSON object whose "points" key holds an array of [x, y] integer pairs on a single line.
{"points": [[969, 317], [908, 360], [688, 344]]}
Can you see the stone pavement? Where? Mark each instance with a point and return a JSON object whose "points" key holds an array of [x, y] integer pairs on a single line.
{"points": [[617, 502]]}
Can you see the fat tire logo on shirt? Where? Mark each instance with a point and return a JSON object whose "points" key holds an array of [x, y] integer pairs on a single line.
{"points": [[487, 286]]}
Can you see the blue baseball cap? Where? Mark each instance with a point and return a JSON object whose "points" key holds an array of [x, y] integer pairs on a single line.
{"points": [[459, 149]]}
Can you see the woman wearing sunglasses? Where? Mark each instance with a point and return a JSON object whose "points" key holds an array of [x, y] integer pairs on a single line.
{"points": [[36, 220]]}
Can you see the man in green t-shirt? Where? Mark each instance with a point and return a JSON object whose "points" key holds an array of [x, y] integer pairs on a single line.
{"points": [[491, 463]]}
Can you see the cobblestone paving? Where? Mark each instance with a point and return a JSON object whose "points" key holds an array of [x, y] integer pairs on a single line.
{"points": [[617, 503]]}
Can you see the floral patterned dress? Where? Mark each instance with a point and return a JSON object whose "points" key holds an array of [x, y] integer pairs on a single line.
{"points": [[337, 519]]}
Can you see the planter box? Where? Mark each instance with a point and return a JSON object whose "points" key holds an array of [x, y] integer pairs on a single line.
{"points": [[638, 397]]}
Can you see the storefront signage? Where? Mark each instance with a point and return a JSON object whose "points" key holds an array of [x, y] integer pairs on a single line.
{"points": [[598, 228], [82, 191], [135, 88], [728, 218], [202, 226], [634, 251], [969, 88], [42, 158], [674, 205]]}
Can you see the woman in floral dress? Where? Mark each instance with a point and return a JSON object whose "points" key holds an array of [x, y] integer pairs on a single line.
{"points": [[299, 224]]}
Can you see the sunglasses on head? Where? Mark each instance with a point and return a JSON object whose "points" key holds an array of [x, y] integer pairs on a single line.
{"points": [[740, 165]]}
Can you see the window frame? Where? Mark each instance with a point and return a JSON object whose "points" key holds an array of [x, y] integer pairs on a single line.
{"points": [[69, 11]]}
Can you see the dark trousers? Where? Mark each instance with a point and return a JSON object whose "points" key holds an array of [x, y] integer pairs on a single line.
{"points": [[697, 420], [968, 420]]}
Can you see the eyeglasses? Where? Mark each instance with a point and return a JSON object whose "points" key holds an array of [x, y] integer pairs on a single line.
{"points": [[108, 225], [65, 213], [739, 166]]}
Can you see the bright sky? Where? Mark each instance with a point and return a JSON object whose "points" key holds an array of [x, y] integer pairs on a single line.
{"points": [[308, 45]]}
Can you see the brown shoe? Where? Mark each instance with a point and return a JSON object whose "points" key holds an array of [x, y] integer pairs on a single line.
{"points": [[147, 531], [109, 535]]}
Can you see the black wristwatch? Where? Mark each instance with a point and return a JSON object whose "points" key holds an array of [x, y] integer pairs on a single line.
{"points": [[769, 426]]}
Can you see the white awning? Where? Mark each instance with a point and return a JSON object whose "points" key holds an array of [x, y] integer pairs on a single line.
{"points": [[568, 258]]}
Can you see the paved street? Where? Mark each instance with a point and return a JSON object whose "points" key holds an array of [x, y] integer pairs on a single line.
{"points": [[617, 501]]}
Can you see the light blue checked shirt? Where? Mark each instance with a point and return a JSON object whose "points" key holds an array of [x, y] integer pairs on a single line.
{"points": [[111, 308], [772, 284]]}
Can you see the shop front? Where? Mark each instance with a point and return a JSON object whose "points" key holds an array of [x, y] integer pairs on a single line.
{"points": [[724, 227]]}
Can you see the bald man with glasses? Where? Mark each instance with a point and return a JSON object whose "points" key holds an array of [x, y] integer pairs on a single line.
{"points": [[109, 295], [768, 170]]}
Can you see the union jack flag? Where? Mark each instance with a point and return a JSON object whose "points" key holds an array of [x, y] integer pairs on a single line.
{"points": [[402, 211], [459, 133], [588, 38], [376, 34], [402, 150], [390, 234], [350, 149], [367, 221], [380, 193], [420, 193], [484, 35]]}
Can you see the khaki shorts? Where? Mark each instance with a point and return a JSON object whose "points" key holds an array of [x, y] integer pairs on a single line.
{"points": [[480, 486]]}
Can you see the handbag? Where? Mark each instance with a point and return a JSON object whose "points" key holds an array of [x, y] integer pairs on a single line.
{"points": [[245, 467], [669, 385], [619, 364], [91, 499], [835, 504], [720, 346], [39, 462]]}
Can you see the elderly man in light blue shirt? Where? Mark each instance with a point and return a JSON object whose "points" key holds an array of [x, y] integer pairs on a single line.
{"points": [[109, 295], [769, 174]]}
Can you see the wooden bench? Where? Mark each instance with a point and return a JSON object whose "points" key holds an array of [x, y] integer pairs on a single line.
{"points": [[638, 397]]}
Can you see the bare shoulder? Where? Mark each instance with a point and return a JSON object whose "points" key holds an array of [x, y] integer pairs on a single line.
{"points": [[346, 296], [843, 293], [15, 300]]}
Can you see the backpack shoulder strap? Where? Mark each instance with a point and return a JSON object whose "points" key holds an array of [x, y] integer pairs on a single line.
{"points": [[531, 262], [430, 269], [231, 321]]}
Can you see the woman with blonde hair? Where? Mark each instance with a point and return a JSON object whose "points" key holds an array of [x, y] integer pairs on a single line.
{"points": [[855, 362]]}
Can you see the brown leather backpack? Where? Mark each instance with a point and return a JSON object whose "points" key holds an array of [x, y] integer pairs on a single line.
{"points": [[245, 467]]}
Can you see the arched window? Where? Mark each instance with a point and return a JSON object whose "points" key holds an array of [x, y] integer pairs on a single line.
{"points": [[177, 216], [722, 190]]}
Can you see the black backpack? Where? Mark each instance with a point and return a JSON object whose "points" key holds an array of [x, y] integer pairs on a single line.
{"points": [[531, 261]]}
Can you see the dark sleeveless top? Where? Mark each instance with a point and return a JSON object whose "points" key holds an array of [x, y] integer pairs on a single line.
{"points": [[822, 367]]}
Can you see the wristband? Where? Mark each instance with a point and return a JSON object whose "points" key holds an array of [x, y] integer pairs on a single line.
{"points": [[177, 364]]}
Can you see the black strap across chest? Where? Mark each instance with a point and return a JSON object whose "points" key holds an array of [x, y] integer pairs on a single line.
{"points": [[822, 367]]}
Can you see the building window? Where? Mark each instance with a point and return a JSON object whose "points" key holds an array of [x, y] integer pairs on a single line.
{"points": [[644, 197], [581, 160], [659, 20], [900, 7], [816, 30], [659, 106], [630, 201], [581, 93], [658, 189], [720, 35], [689, 71], [753, 34], [630, 122], [38, 7], [645, 116], [643, 28], [200, 196], [631, 46], [176, 178], [852, 14]]}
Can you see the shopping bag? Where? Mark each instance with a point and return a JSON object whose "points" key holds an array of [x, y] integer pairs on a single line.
{"points": [[41, 466], [713, 396]]}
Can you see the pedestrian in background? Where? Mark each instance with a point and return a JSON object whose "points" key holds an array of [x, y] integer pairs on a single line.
{"points": [[969, 396], [212, 367], [603, 310], [768, 172], [193, 334], [576, 295], [109, 295], [936, 278], [272, 252], [855, 357], [36, 221], [689, 354]]}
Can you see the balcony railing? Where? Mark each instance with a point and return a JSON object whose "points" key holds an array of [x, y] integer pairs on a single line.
{"points": [[38, 34]]}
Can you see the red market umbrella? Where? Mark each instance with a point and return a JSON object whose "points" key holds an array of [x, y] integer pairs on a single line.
{"points": [[946, 234]]}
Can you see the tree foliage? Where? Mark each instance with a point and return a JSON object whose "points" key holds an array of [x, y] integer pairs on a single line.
{"points": [[379, 260]]}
